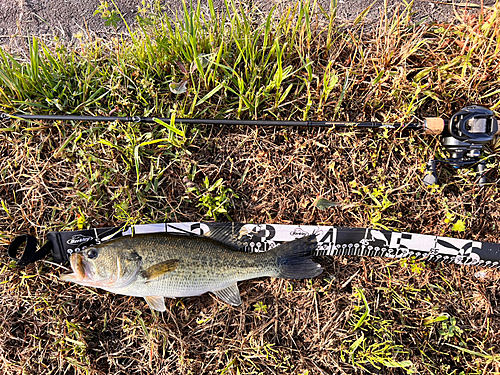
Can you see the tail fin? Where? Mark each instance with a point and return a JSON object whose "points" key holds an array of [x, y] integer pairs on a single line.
{"points": [[293, 259]]}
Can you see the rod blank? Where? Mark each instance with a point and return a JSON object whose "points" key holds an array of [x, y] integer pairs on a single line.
{"points": [[327, 124]]}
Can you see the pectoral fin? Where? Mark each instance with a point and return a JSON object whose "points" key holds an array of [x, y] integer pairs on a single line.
{"points": [[160, 269], [230, 295], [156, 302]]}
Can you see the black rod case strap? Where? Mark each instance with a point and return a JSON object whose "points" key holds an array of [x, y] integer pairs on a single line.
{"points": [[30, 253], [59, 244]]}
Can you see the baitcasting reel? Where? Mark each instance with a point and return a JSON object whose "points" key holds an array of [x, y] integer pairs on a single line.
{"points": [[464, 136]]}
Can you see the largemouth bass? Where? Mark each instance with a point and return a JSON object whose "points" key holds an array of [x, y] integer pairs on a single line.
{"points": [[155, 266]]}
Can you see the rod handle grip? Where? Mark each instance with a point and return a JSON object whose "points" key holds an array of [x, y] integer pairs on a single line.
{"points": [[433, 125]]}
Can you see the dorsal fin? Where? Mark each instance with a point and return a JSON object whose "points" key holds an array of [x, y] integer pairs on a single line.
{"points": [[230, 234], [160, 269]]}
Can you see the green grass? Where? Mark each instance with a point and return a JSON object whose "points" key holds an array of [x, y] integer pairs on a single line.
{"points": [[361, 315]]}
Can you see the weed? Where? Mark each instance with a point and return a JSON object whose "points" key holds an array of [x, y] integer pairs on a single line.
{"points": [[416, 267], [110, 16], [215, 198], [378, 196], [260, 308], [376, 348], [450, 329]]}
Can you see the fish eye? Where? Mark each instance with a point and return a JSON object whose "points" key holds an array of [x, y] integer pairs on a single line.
{"points": [[92, 254]]}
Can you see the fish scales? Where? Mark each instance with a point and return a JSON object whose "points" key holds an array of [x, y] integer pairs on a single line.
{"points": [[204, 264]]}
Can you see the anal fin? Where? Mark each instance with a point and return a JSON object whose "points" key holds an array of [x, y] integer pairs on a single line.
{"points": [[230, 295], [156, 302]]}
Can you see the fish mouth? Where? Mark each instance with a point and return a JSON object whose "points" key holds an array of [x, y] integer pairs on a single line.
{"points": [[79, 273], [85, 273]]}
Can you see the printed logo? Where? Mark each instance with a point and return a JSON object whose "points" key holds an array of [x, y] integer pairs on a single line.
{"points": [[298, 232], [78, 239]]}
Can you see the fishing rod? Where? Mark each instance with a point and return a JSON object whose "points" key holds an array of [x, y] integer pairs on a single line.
{"points": [[150, 120], [463, 136]]}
